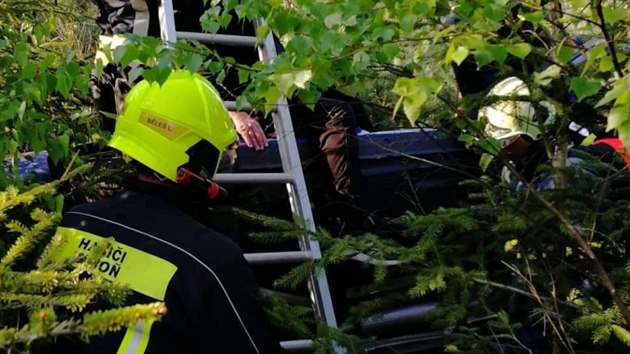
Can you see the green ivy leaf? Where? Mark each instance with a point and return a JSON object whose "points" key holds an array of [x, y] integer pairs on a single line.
{"points": [[58, 148], [520, 50], [544, 78], [390, 50], [618, 89], [619, 115], [37, 138], [243, 75], [20, 53], [564, 53], [583, 87], [284, 82], [414, 93], [472, 41], [412, 105], [407, 23], [302, 77], [299, 44], [593, 54], [459, 55], [135, 73], [29, 70], [333, 19], [614, 15], [404, 86], [467, 139], [534, 17], [271, 97], [47, 62], [9, 110], [624, 131], [489, 145], [309, 98], [131, 53], [483, 57], [606, 64], [499, 52], [192, 62], [63, 86], [425, 7], [494, 12], [262, 31]]}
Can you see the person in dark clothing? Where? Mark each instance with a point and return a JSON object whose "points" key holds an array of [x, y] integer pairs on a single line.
{"points": [[332, 124], [175, 134]]}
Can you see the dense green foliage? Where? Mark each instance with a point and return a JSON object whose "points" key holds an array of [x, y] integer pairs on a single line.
{"points": [[43, 84], [556, 257], [44, 106]]}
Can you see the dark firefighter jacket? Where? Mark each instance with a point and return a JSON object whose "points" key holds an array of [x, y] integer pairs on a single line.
{"points": [[166, 255]]}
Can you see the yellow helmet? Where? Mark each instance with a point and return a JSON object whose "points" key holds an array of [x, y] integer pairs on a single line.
{"points": [[508, 118], [182, 122]]}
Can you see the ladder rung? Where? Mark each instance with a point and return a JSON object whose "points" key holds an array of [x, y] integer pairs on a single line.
{"points": [[278, 257], [299, 344], [231, 106], [243, 178], [222, 39]]}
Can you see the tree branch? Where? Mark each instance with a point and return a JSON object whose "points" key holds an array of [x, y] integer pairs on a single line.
{"points": [[518, 291], [575, 234], [609, 41]]}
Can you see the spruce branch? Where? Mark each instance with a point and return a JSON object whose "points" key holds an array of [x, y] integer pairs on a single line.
{"points": [[100, 322], [93, 323], [291, 319], [11, 197], [576, 235], [72, 302], [296, 276], [46, 261], [269, 222], [29, 237]]}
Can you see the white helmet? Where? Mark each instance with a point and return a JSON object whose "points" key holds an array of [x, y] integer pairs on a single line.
{"points": [[508, 118]]}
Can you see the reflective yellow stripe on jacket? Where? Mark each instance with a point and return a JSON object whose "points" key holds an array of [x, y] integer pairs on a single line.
{"points": [[136, 339], [141, 271]]}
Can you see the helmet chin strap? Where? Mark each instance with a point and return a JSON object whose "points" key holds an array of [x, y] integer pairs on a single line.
{"points": [[205, 186]]}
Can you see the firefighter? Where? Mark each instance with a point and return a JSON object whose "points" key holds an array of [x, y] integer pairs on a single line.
{"points": [[175, 135], [513, 123]]}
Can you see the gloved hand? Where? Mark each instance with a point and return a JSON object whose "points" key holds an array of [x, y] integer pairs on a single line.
{"points": [[249, 129]]}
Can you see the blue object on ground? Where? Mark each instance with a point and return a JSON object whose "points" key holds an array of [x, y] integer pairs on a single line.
{"points": [[31, 164]]}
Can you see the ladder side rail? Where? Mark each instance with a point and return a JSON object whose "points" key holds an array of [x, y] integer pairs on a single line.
{"points": [[298, 195], [166, 16]]}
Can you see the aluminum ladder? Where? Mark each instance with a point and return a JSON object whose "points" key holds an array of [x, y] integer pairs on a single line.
{"points": [[292, 175]]}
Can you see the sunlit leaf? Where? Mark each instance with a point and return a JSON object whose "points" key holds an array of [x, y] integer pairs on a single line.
{"points": [[460, 54], [544, 78], [520, 50], [390, 50], [618, 116], [618, 89], [614, 15], [583, 87]]}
